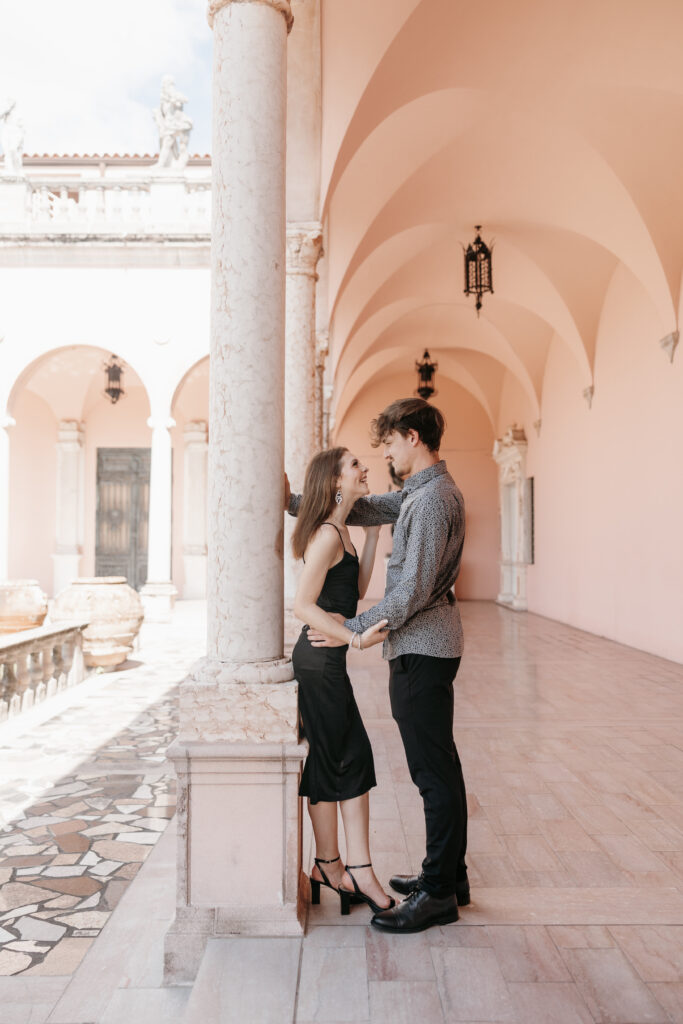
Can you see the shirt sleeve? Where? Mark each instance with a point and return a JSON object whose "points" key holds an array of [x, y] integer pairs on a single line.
{"points": [[427, 527], [375, 510]]}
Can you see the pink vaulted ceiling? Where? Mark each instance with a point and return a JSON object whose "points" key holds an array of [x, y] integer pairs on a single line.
{"points": [[559, 127]]}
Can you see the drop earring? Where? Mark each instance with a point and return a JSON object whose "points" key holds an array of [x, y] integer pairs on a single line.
{"points": [[339, 497]]}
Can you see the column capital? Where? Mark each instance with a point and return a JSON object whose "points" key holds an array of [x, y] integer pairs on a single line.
{"points": [[283, 6], [70, 432], [161, 422], [196, 432], [304, 248]]}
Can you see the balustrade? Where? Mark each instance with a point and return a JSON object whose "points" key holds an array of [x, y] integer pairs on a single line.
{"points": [[97, 205], [37, 663]]}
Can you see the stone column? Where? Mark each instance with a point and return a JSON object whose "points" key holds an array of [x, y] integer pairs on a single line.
{"points": [[515, 517], [70, 517], [6, 422], [304, 243], [158, 593], [194, 511], [237, 753]]}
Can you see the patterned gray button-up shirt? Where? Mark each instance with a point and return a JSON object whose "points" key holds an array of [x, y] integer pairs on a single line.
{"points": [[419, 603]]}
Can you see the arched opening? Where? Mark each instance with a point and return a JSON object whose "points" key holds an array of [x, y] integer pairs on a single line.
{"points": [[79, 471]]}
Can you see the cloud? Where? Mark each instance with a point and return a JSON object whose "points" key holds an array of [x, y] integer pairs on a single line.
{"points": [[87, 73]]}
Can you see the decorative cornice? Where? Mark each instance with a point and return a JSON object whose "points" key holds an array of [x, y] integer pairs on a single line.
{"points": [[283, 6], [304, 249], [669, 344]]}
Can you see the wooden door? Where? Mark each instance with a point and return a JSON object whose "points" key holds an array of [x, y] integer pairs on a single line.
{"points": [[122, 513]]}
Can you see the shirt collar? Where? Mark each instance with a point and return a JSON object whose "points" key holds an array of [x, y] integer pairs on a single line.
{"points": [[424, 476]]}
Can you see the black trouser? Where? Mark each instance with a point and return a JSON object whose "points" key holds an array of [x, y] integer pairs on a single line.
{"points": [[421, 692]]}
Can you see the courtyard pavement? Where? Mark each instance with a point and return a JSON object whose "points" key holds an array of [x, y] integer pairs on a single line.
{"points": [[572, 748]]}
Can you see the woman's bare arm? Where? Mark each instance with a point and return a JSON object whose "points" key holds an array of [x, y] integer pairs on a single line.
{"points": [[367, 558]]}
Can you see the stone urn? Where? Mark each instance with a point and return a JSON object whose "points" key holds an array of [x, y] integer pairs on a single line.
{"points": [[23, 605], [115, 615]]}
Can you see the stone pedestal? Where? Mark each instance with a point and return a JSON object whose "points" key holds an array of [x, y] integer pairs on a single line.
{"points": [[194, 509], [237, 752], [515, 518], [158, 594], [69, 522]]}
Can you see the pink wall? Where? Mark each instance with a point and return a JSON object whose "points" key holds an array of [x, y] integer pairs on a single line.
{"points": [[609, 486], [33, 466], [467, 447]]}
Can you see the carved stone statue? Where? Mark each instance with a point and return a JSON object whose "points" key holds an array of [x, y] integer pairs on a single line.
{"points": [[12, 136], [174, 126]]}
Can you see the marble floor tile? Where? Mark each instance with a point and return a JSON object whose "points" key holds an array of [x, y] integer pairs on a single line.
{"points": [[549, 1003], [612, 989], [471, 985], [670, 996], [655, 952], [405, 1002], [333, 985], [398, 957], [527, 954]]}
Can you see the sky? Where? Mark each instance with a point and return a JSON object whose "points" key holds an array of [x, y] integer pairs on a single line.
{"points": [[86, 73]]}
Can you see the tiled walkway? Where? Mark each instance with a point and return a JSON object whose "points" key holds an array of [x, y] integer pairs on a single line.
{"points": [[84, 795], [573, 754]]}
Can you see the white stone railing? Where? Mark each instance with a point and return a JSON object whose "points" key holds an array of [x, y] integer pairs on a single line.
{"points": [[37, 663], [106, 206]]}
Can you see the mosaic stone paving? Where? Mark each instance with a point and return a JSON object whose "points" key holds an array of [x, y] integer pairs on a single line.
{"points": [[84, 796], [66, 863]]}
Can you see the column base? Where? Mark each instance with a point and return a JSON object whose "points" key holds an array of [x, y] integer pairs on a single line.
{"points": [[64, 570], [158, 600], [194, 587], [239, 847]]}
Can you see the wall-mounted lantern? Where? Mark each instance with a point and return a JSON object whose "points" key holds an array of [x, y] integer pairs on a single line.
{"points": [[114, 376], [478, 272], [425, 376]]}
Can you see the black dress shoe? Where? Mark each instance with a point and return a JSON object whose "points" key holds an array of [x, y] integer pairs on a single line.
{"points": [[417, 912], [405, 884]]}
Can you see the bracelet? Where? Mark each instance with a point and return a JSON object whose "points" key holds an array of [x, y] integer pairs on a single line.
{"points": [[359, 643]]}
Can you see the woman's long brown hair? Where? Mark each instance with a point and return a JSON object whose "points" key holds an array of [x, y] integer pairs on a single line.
{"points": [[317, 501]]}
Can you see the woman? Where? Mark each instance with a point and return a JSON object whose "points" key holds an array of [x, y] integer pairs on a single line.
{"points": [[339, 768]]}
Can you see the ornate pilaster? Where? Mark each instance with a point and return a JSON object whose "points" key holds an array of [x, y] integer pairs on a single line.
{"points": [[70, 516], [515, 517]]}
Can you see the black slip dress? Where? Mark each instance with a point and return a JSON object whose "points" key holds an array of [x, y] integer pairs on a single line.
{"points": [[340, 764]]}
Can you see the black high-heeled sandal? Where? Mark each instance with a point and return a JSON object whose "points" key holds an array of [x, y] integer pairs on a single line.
{"points": [[357, 896], [315, 884]]}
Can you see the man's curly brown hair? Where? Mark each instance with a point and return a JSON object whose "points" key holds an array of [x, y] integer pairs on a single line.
{"points": [[409, 414]]}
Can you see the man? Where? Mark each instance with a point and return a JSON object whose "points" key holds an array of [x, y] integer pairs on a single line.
{"points": [[423, 647]]}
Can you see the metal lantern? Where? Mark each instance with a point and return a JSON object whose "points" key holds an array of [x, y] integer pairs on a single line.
{"points": [[114, 374], [478, 273], [425, 375]]}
